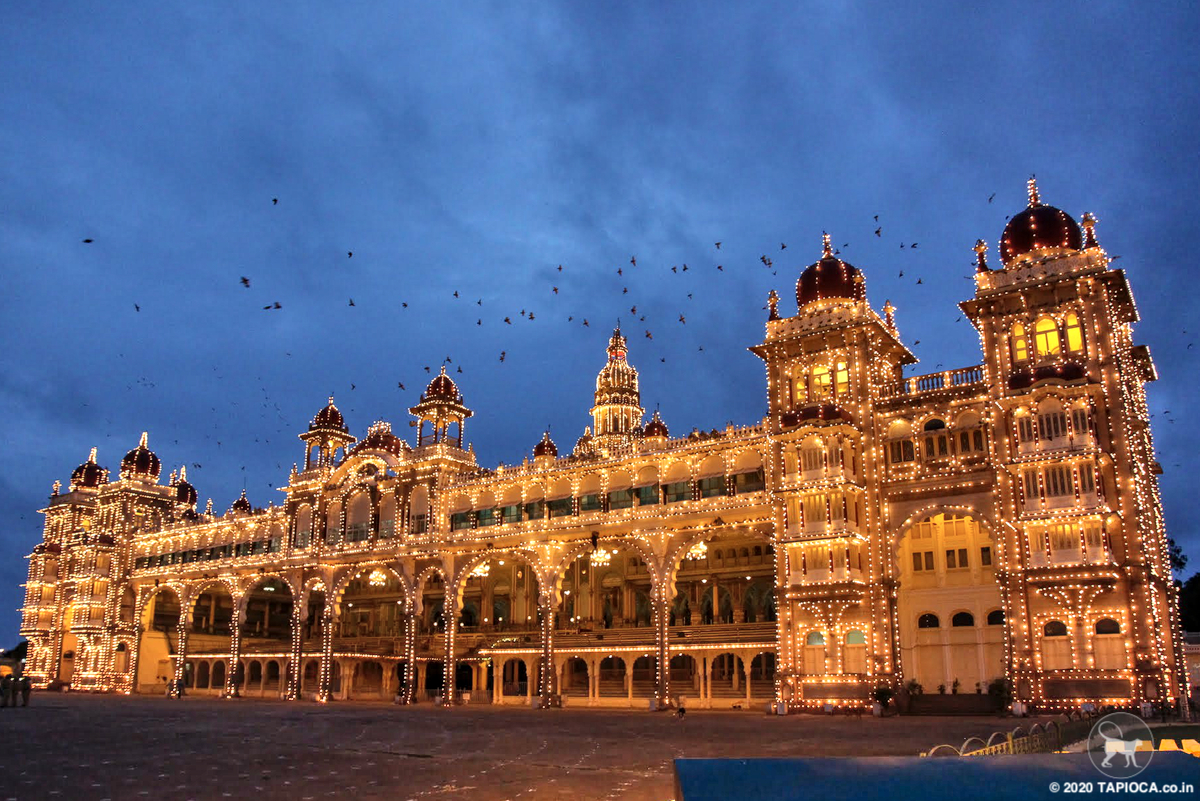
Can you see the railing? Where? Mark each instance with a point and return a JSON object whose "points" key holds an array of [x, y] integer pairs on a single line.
{"points": [[1040, 738], [934, 381]]}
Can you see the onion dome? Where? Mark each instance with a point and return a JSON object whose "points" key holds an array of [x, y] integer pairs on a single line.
{"points": [[546, 447], [656, 427], [242, 505], [442, 387], [185, 493], [1040, 229], [830, 279], [584, 443], [380, 438], [329, 417], [89, 475], [141, 463]]}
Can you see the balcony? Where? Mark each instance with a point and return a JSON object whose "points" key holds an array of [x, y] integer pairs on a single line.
{"points": [[934, 382]]}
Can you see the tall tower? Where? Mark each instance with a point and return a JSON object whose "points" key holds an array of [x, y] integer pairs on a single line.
{"points": [[825, 367], [617, 412], [1086, 557]]}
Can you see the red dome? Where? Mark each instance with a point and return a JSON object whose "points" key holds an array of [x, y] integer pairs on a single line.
{"points": [[442, 387], [185, 493], [141, 462], [380, 438], [830, 278], [89, 474], [546, 447], [329, 417], [242, 505], [1039, 228], [656, 428]]}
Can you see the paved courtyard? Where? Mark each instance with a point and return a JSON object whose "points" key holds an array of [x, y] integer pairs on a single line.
{"points": [[96, 747]]}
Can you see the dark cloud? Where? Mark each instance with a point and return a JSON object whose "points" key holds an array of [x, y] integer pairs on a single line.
{"points": [[476, 148]]}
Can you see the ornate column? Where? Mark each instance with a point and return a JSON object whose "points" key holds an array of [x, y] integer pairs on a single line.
{"points": [[548, 678], [325, 673], [181, 652], [408, 689], [233, 676], [660, 615], [450, 612], [296, 656]]}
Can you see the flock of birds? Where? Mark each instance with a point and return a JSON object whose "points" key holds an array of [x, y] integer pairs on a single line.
{"points": [[626, 277]]}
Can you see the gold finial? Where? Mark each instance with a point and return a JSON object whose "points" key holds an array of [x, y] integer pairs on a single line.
{"points": [[773, 305], [142, 442], [330, 398], [889, 314], [56, 487], [981, 256], [826, 246], [92, 456], [1089, 227], [1034, 197], [208, 507], [183, 473]]}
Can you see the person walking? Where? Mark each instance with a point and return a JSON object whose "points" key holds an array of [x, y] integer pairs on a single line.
{"points": [[6, 691], [26, 689]]}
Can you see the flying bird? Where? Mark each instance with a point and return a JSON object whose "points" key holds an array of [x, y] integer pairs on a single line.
{"points": [[649, 335], [719, 267], [782, 246], [245, 282], [427, 368], [585, 323], [879, 231], [503, 354], [274, 201], [619, 272], [718, 244], [137, 308], [88, 241], [351, 301], [400, 384], [456, 293], [674, 269], [508, 320], [682, 319], [560, 268], [555, 290], [991, 197], [633, 260], [403, 305], [349, 254]]}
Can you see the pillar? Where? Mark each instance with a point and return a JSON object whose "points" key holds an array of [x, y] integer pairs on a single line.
{"points": [[706, 686], [291, 691], [325, 674], [181, 654], [629, 677], [450, 613], [232, 676], [749, 684], [530, 678], [662, 669], [408, 690], [548, 680]]}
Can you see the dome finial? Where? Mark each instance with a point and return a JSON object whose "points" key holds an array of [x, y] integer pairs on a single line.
{"points": [[183, 473], [1089, 230], [980, 256], [773, 305], [889, 314], [92, 456], [330, 398], [142, 441], [826, 246], [1034, 198]]}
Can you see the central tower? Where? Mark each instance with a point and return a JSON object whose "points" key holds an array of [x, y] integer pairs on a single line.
{"points": [[618, 411]]}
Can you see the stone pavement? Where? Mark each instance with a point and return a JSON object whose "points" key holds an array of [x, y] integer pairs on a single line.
{"points": [[75, 746]]}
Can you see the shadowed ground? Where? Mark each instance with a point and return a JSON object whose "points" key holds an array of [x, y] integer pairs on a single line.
{"points": [[95, 747]]}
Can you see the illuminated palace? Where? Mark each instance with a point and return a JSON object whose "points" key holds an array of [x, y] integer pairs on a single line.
{"points": [[995, 526]]}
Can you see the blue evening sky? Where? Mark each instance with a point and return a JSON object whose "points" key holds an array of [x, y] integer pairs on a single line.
{"points": [[474, 147]]}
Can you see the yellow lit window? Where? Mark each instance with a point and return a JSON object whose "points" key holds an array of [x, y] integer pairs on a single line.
{"points": [[821, 386], [1074, 334], [843, 379], [1045, 338], [1020, 345]]}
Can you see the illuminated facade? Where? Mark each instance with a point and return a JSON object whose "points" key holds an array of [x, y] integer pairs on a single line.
{"points": [[999, 521]]}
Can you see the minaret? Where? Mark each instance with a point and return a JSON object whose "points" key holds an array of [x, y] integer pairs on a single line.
{"points": [[618, 410]]}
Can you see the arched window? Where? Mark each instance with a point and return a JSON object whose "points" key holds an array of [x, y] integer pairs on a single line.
{"points": [[1108, 649], [962, 620], [820, 385], [1074, 333], [842, 379], [1056, 646], [815, 638], [928, 621], [1045, 338], [937, 441], [1055, 628], [358, 518], [995, 617], [814, 653], [1020, 345], [900, 442], [855, 653]]}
